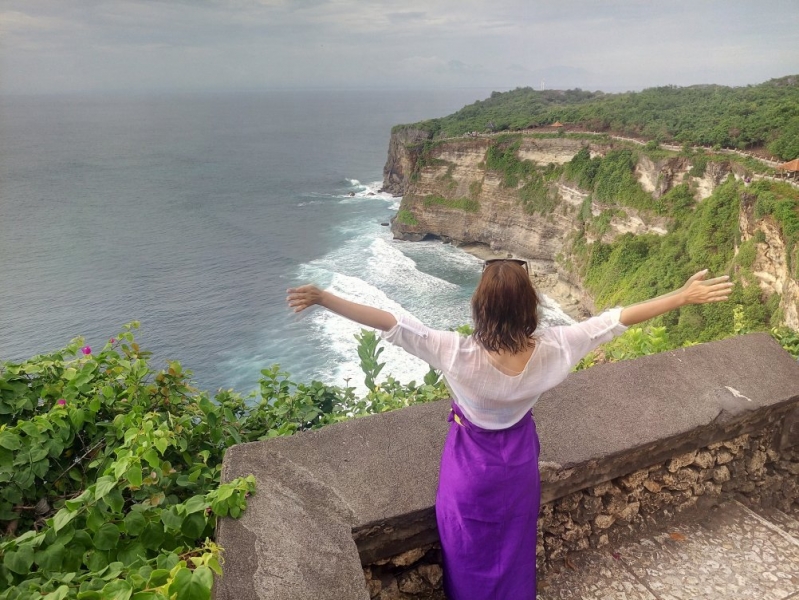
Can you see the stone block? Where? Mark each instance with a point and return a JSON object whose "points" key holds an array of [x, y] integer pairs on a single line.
{"points": [[602, 489], [678, 462], [408, 558], [652, 486], [756, 462], [634, 480], [432, 574], [412, 583], [723, 457], [630, 512], [736, 444], [604, 521], [721, 474], [704, 459]]}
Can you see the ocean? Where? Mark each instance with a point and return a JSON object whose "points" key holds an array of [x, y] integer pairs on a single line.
{"points": [[193, 213]]}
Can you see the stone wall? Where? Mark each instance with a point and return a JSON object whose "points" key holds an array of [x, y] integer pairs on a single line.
{"points": [[622, 445], [752, 467]]}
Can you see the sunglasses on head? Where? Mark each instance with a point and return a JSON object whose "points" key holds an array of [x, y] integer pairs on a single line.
{"points": [[518, 261]]}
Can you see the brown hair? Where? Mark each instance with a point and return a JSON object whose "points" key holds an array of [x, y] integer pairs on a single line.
{"points": [[505, 308]]}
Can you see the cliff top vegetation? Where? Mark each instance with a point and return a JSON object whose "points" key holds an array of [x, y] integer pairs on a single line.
{"points": [[764, 116]]}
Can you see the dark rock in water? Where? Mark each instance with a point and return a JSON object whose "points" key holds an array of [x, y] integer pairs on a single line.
{"points": [[384, 224], [351, 194], [370, 194]]}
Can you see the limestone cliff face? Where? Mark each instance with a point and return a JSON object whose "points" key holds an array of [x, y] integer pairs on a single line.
{"points": [[453, 197], [659, 177], [403, 151], [455, 172], [771, 264]]}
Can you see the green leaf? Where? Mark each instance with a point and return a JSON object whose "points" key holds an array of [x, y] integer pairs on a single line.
{"points": [[96, 561], [134, 475], [134, 523], [153, 535], [76, 502], [37, 453], [180, 581], [151, 457], [158, 578], [115, 501], [171, 519], [50, 558], [161, 444], [133, 553], [195, 504], [106, 537], [89, 595], [77, 417], [104, 485], [62, 517], [20, 561], [193, 526], [146, 596], [213, 564], [114, 569], [59, 594], [10, 440], [198, 586], [95, 519], [118, 589]]}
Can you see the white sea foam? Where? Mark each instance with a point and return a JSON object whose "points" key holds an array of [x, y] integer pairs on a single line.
{"points": [[369, 191], [338, 335]]}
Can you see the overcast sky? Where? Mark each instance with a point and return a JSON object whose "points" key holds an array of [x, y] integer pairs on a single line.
{"points": [[51, 46]]}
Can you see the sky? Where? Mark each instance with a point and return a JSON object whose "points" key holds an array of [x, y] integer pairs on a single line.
{"points": [[65, 46]]}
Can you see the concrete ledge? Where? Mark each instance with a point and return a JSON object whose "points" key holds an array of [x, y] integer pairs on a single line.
{"points": [[353, 493]]}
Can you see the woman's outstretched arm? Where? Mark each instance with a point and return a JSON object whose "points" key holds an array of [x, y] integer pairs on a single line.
{"points": [[305, 296], [696, 290]]}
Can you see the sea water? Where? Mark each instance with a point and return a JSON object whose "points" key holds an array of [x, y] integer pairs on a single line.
{"points": [[194, 213]]}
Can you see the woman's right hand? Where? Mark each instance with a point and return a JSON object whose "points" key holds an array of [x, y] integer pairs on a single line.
{"points": [[698, 290], [303, 297]]}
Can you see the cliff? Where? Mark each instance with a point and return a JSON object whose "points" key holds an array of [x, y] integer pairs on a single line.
{"points": [[519, 195]]}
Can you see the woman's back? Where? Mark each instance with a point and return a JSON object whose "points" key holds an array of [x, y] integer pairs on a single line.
{"points": [[492, 394]]}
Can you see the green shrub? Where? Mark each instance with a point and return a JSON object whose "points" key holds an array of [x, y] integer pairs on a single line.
{"points": [[110, 470], [747, 253], [406, 217]]}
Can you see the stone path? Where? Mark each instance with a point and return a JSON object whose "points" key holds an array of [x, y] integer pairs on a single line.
{"points": [[733, 553]]}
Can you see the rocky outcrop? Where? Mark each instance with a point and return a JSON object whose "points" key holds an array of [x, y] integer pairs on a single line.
{"points": [[403, 151], [771, 264], [658, 177]]}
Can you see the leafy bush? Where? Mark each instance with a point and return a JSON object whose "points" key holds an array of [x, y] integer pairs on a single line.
{"points": [[110, 471], [705, 115], [406, 217]]}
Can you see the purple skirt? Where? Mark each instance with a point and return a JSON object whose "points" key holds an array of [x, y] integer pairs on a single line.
{"points": [[489, 493]]}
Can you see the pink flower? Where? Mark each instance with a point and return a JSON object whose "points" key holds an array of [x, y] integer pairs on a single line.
{"points": [[86, 350], [61, 402], [112, 341]]}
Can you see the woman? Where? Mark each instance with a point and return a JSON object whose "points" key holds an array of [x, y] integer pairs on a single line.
{"points": [[489, 487]]}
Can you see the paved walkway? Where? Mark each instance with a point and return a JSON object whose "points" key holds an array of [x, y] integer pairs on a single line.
{"points": [[733, 553]]}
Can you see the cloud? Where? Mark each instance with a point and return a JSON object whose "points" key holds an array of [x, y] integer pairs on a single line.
{"points": [[216, 44]]}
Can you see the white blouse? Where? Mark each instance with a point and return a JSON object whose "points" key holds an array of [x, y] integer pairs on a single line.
{"points": [[488, 397]]}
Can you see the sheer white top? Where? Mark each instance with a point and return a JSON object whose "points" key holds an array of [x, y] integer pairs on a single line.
{"points": [[488, 397]]}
